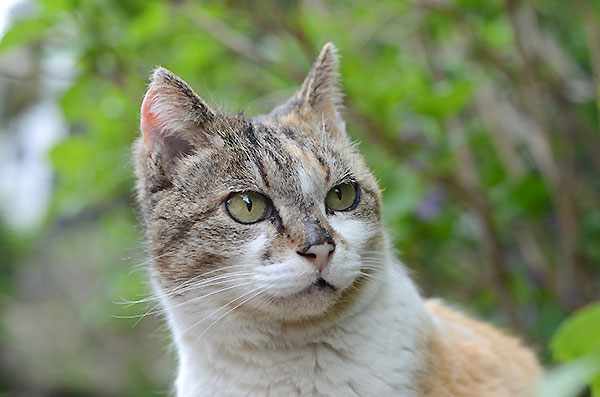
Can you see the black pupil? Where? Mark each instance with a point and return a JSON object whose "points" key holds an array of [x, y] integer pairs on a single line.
{"points": [[338, 193], [248, 202]]}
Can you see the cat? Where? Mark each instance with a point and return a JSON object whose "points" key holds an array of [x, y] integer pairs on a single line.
{"points": [[272, 265]]}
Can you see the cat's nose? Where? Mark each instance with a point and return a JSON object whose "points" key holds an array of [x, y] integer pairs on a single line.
{"points": [[318, 255]]}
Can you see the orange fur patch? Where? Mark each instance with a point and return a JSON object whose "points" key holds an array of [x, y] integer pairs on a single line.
{"points": [[470, 358]]}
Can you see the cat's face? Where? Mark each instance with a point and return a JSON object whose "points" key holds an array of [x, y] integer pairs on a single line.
{"points": [[275, 217]]}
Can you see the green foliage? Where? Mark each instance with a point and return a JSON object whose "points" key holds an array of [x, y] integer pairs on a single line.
{"points": [[578, 340], [578, 336]]}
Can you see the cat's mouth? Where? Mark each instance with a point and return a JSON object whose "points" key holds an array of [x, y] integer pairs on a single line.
{"points": [[323, 284], [313, 299], [320, 287]]}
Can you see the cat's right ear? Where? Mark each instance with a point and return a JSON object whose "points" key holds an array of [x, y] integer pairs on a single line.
{"points": [[320, 95], [174, 120]]}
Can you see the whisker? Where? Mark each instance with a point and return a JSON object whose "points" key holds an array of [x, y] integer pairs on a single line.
{"points": [[367, 275], [211, 280], [372, 266], [220, 308], [153, 310], [135, 267], [183, 287], [217, 281], [207, 273], [377, 265], [188, 302], [229, 311], [198, 298]]}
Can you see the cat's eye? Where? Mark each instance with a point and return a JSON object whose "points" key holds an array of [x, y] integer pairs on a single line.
{"points": [[342, 197], [247, 207]]}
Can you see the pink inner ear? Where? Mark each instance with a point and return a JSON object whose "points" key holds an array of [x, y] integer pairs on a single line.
{"points": [[150, 124], [155, 132]]}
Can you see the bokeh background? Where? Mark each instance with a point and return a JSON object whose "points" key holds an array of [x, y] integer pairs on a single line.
{"points": [[479, 119]]}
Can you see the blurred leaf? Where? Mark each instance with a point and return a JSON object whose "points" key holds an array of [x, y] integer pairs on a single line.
{"points": [[446, 99], [523, 197], [498, 33], [25, 31], [578, 338], [578, 335]]}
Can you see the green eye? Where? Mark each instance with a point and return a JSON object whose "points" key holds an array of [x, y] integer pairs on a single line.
{"points": [[342, 197], [247, 207]]}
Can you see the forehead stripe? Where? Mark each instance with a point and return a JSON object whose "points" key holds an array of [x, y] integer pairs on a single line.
{"points": [[263, 174], [251, 136]]}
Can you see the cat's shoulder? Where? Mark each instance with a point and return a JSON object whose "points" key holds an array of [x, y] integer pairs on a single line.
{"points": [[467, 357]]}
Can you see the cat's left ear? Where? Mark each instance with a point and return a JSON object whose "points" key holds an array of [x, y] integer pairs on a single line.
{"points": [[174, 121], [321, 94]]}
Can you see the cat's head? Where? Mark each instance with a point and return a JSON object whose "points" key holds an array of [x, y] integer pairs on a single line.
{"points": [[274, 216]]}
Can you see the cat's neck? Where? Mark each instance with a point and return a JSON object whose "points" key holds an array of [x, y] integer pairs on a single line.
{"points": [[376, 346]]}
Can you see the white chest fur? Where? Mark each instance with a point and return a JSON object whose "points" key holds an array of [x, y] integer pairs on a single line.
{"points": [[373, 351]]}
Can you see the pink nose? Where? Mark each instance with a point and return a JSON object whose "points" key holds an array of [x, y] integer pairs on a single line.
{"points": [[319, 255]]}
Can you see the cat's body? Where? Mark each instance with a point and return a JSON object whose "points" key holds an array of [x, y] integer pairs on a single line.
{"points": [[274, 270]]}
